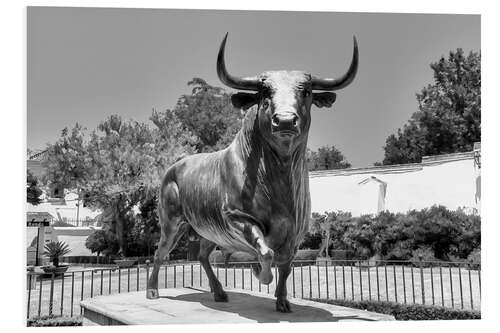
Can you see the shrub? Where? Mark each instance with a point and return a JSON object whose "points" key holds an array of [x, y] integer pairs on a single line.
{"points": [[55, 321], [426, 253], [475, 257], [406, 311]]}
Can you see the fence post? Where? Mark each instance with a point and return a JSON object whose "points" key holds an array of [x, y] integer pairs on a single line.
{"points": [[420, 257], [147, 270]]}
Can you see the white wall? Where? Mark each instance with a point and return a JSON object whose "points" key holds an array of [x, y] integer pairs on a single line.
{"points": [[448, 180]]}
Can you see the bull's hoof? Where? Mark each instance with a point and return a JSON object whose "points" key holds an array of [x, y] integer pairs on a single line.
{"points": [[220, 296], [152, 294], [282, 305]]}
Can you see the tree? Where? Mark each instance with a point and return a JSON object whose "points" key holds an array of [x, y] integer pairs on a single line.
{"points": [[118, 165], [97, 242], [324, 224], [33, 191], [449, 115], [208, 113], [326, 158]]}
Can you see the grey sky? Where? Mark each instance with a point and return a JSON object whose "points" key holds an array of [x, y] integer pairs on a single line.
{"points": [[87, 63]]}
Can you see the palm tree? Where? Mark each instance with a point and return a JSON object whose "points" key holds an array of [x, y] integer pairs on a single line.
{"points": [[54, 250]]}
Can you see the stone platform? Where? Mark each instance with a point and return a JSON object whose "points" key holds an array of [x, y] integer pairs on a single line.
{"points": [[196, 306]]}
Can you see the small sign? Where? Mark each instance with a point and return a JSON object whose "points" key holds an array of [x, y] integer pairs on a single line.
{"points": [[37, 223]]}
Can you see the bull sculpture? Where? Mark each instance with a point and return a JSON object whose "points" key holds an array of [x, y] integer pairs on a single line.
{"points": [[252, 196]]}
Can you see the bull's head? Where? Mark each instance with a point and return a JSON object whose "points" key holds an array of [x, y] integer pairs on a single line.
{"points": [[284, 99]]}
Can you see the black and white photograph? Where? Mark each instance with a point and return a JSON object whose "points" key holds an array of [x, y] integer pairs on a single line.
{"points": [[216, 166]]}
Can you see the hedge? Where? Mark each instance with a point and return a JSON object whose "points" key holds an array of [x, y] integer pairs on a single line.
{"points": [[434, 233], [55, 321], [407, 311]]}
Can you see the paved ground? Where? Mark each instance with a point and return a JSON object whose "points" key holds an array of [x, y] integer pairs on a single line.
{"points": [[196, 306]]}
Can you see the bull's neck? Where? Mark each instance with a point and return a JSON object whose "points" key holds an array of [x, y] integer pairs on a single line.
{"points": [[270, 168]]}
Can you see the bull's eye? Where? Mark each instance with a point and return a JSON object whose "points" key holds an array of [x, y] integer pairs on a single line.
{"points": [[265, 104]]}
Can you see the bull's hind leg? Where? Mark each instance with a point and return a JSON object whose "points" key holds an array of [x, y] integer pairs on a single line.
{"points": [[206, 247], [172, 228]]}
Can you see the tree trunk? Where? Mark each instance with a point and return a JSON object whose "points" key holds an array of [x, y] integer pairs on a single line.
{"points": [[327, 241]]}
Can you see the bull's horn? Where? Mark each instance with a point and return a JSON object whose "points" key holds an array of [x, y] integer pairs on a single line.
{"points": [[335, 84], [233, 81]]}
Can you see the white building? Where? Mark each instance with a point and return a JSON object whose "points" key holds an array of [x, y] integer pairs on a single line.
{"points": [[451, 180]]}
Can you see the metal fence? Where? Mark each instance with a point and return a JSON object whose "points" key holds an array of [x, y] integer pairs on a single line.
{"points": [[450, 284]]}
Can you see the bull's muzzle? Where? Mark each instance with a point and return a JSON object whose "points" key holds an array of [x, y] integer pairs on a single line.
{"points": [[263, 271], [285, 124]]}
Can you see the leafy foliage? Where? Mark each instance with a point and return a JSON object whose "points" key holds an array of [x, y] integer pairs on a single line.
{"points": [[407, 311], [436, 233], [118, 166], [33, 191], [449, 116], [208, 114], [97, 241], [324, 225], [55, 250], [326, 158], [52, 320]]}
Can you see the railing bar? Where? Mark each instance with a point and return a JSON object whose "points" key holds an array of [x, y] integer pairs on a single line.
{"points": [[360, 280], [51, 299], [40, 298], [319, 288], [301, 282], [369, 283], [62, 293], [109, 282], [251, 279], [92, 284], [432, 285], [183, 276], [225, 274], [192, 275], [128, 279], [242, 277], [81, 291], [310, 282], [412, 284], [395, 284], [102, 272], [335, 279], [234, 275], [422, 289], [352, 282], [327, 282], [72, 291], [293, 280], [175, 276], [343, 279], [461, 291], [201, 278], [29, 295], [137, 277], [470, 289], [403, 268], [378, 284], [451, 286], [479, 279], [386, 283], [119, 280], [441, 282]]}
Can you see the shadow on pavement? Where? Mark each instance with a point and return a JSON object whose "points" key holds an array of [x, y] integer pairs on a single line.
{"points": [[262, 309]]}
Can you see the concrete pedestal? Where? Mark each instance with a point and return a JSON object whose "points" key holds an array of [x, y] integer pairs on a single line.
{"points": [[196, 306]]}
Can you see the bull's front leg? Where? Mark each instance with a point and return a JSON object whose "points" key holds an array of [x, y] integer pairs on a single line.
{"points": [[282, 304]]}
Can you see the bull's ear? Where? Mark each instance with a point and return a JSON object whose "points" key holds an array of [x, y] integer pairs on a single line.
{"points": [[244, 100], [325, 99]]}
